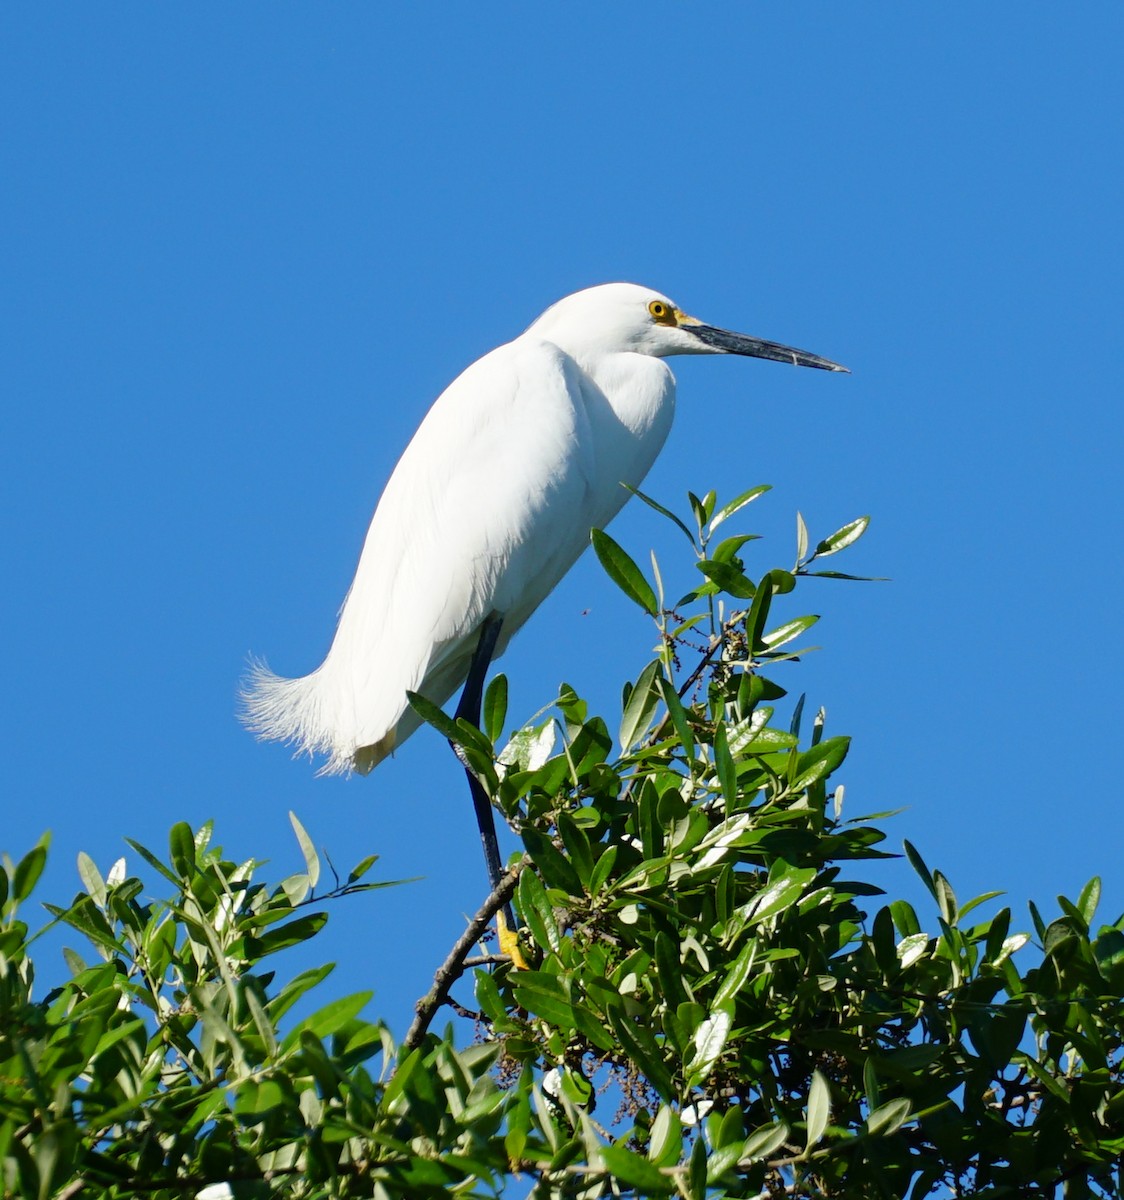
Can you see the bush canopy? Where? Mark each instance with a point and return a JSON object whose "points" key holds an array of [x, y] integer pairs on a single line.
{"points": [[715, 1003]]}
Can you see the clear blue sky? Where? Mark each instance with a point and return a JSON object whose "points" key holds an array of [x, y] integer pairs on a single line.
{"points": [[245, 247]]}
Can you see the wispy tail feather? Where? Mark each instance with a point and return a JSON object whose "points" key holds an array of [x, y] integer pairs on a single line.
{"points": [[291, 710], [319, 713]]}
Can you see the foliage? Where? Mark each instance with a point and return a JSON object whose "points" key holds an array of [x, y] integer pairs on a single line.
{"points": [[716, 1005]]}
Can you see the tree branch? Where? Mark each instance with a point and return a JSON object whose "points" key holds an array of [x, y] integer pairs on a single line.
{"points": [[454, 965]]}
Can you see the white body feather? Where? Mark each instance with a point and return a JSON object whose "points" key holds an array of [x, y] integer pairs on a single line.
{"points": [[489, 506]]}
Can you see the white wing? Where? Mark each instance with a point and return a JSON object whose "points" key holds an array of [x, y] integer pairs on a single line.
{"points": [[486, 510]]}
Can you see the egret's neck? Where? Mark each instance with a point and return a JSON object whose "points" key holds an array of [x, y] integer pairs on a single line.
{"points": [[639, 388], [631, 412]]}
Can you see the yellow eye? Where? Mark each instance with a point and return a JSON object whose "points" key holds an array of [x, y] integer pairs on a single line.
{"points": [[661, 312]]}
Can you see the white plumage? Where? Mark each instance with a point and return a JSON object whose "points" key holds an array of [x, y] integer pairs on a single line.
{"points": [[489, 506]]}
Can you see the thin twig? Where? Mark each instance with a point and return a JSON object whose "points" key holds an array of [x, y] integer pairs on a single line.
{"points": [[485, 960], [454, 965], [467, 1014]]}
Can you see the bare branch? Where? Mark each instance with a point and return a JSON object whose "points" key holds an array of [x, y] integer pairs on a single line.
{"points": [[454, 965]]}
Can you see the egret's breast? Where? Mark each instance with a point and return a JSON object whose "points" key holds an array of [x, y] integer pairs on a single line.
{"points": [[630, 412]]}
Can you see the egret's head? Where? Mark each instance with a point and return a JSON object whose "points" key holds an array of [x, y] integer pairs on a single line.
{"points": [[627, 317]]}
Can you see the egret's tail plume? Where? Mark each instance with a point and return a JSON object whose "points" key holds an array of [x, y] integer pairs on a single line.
{"points": [[291, 710]]}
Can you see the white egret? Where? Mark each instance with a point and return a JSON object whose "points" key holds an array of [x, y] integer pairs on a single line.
{"points": [[489, 506]]}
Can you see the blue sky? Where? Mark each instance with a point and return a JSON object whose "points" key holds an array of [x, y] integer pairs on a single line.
{"points": [[245, 248]]}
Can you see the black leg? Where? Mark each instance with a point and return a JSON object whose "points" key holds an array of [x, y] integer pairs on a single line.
{"points": [[472, 698]]}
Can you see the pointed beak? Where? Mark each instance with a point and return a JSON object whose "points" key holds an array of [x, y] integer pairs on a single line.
{"points": [[725, 342]]}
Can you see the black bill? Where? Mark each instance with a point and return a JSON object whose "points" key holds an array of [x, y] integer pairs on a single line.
{"points": [[740, 343]]}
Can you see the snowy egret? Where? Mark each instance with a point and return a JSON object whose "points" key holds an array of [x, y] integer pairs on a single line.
{"points": [[489, 506]]}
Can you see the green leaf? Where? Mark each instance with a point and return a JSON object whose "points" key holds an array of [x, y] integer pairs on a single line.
{"points": [[708, 1043], [801, 537], [433, 714], [639, 707], [912, 947], [758, 614], [636, 1172], [764, 1142], [766, 740], [1089, 899], [737, 974], [361, 868], [946, 898], [291, 934], [518, 1127], [1108, 950], [295, 989], [782, 582], [400, 1081], [495, 708], [918, 864], [788, 632], [489, 998], [540, 994], [779, 895], [653, 504], [91, 879], [623, 571], [258, 1096], [117, 1034], [261, 1019], [329, 1019], [696, 1172], [153, 861], [842, 538], [553, 866], [738, 503], [669, 969], [666, 1139], [27, 872], [181, 842], [996, 932], [458, 731], [724, 1158], [577, 846], [728, 578], [725, 768], [678, 716], [86, 917], [819, 1110], [727, 549], [842, 575], [905, 918], [602, 869], [975, 902], [701, 508], [529, 748], [819, 762], [888, 1118], [537, 911], [311, 858], [870, 1082]]}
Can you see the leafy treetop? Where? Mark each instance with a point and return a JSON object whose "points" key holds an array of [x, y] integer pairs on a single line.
{"points": [[717, 1004]]}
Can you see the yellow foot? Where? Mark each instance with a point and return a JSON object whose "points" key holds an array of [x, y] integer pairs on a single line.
{"points": [[509, 944]]}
